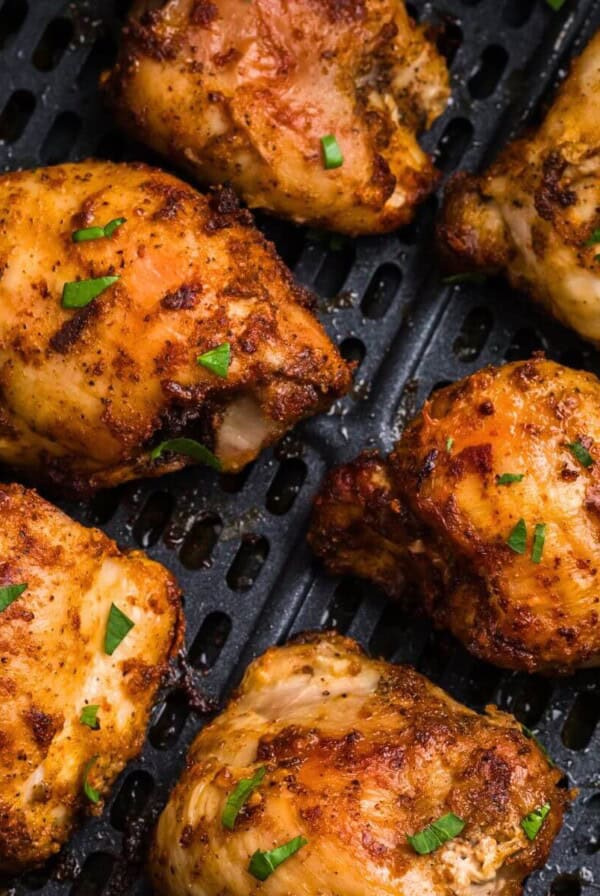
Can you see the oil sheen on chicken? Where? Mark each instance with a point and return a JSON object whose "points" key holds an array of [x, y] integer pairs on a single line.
{"points": [[86, 393], [535, 214], [490, 506], [243, 92], [358, 754], [54, 665]]}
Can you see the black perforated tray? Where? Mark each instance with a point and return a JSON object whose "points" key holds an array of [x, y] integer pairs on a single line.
{"points": [[237, 543]]}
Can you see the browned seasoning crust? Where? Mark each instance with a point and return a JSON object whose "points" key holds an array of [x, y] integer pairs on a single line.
{"points": [[85, 394], [358, 754], [437, 516], [53, 663], [242, 93], [532, 214]]}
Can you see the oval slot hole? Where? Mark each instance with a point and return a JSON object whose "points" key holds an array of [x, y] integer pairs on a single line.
{"points": [[198, 545], [248, 562], [381, 291], [581, 722], [210, 640], [473, 335], [286, 485], [132, 799], [153, 518]]}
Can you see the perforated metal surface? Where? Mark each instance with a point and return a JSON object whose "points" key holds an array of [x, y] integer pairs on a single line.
{"points": [[237, 543]]}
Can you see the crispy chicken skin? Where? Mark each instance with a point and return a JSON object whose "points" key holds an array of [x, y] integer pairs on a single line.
{"points": [[358, 755], [86, 393], [533, 213], [242, 93], [53, 664], [434, 514]]}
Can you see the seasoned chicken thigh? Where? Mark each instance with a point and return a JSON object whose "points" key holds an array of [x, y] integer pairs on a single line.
{"points": [[244, 93], [535, 214], [348, 758], [490, 505], [197, 328], [86, 633]]}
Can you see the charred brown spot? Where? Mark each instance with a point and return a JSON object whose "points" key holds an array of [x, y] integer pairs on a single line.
{"points": [[427, 467], [184, 297], [71, 330], [486, 408], [550, 193], [43, 727], [225, 210], [186, 836], [592, 499], [344, 10], [202, 13], [474, 459]]}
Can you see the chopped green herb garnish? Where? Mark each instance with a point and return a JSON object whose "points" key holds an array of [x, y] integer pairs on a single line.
{"points": [[190, 448], [236, 800], [539, 537], [556, 4], [217, 360], [533, 822], [529, 734], [517, 540], [593, 238], [580, 452], [89, 717], [9, 594], [263, 864], [97, 233], [467, 277], [449, 444], [508, 478], [80, 293], [117, 628], [436, 834], [92, 794], [332, 154]]}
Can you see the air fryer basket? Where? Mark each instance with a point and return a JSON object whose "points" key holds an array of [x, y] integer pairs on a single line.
{"points": [[237, 543]]}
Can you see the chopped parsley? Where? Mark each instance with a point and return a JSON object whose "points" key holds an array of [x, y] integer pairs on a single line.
{"points": [[539, 537], [436, 834], [449, 444], [466, 277], [217, 360], [517, 540], [236, 800], [80, 293], [97, 233], [332, 154], [532, 823], [9, 594], [580, 453], [508, 478], [593, 238], [190, 448], [263, 864], [117, 628], [89, 717], [92, 794]]}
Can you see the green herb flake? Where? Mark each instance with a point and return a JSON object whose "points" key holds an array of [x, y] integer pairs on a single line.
{"points": [[539, 537], [263, 864], [580, 453], [531, 736], [92, 794], [89, 717], [517, 540], [508, 478], [117, 628], [236, 800], [9, 594], [97, 233], [593, 238], [532, 823], [556, 4], [449, 444], [467, 277], [80, 293], [217, 360], [190, 448], [436, 834], [332, 154]]}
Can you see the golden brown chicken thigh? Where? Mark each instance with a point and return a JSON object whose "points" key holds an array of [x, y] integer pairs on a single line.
{"points": [[77, 679], [535, 214], [490, 504], [87, 393], [353, 756], [244, 92]]}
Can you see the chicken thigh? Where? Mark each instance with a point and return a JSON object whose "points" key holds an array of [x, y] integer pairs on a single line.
{"points": [[86, 633], [309, 108], [535, 214], [197, 329], [490, 505], [325, 774]]}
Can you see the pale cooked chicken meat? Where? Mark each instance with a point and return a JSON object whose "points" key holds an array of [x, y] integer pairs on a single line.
{"points": [[54, 668], [242, 92], [87, 393], [490, 505], [534, 215], [357, 755]]}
